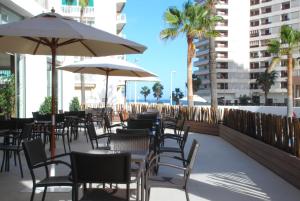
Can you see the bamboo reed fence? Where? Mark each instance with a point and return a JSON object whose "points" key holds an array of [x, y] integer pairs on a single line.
{"points": [[278, 131]]}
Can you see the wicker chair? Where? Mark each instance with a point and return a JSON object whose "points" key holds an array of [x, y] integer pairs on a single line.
{"points": [[161, 181]]}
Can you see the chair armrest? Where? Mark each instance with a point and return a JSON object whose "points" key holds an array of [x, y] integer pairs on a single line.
{"points": [[171, 136], [173, 157], [58, 156], [172, 166], [105, 135], [56, 162]]}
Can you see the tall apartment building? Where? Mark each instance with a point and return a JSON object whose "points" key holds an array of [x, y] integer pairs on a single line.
{"points": [[33, 72], [266, 18], [242, 48], [232, 53]]}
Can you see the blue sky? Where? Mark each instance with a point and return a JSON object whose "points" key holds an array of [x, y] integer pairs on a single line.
{"points": [[144, 23]]}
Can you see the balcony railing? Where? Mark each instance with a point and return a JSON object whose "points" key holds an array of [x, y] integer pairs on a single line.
{"points": [[75, 10]]}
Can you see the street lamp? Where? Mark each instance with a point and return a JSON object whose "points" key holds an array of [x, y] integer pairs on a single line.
{"points": [[171, 95]]}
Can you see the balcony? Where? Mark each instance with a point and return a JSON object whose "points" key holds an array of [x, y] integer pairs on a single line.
{"points": [[72, 11], [120, 5], [121, 21]]}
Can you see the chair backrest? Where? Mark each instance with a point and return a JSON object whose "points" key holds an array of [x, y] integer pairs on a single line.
{"points": [[121, 117], [140, 124], [92, 134], [184, 137], [192, 154], [20, 122], [34, 153], [130, 142], [146, 115], [26, 133], [107, 122], [100, 168], [133, 131]]}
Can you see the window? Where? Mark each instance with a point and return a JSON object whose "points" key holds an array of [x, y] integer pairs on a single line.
{"points": [[253, 54], [283, 85], [265, 21], [222, 75], [264, 43], [222, 86], [253, 86], [264, 64], [266, 10], [283, 73], [265, 54], [254, 65], [254, 75], [283, 63], [254, 12], [285, 17], [222, 65], [254, 33], [254, 2], [285, 5], [265, 32], [254, 43], [69, 2], [254, 23]]}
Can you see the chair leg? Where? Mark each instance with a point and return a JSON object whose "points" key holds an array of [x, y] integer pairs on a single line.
{"points": [[182, 155], [32, 193], [44, 193], [86, 136], [64, 143], [68, 140], [187, 195], [3, 160], [20, 164]]}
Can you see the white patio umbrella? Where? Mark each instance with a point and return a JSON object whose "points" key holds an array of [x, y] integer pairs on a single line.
{"points": [[196, 98], [53, 34], [108, 67]]}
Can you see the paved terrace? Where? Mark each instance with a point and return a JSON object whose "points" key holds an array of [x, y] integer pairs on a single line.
{"points": [[221, 173]]}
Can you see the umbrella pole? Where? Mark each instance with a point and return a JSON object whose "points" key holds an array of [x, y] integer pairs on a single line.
{"points": [[107, 72], [125, 95], [52, 135]]}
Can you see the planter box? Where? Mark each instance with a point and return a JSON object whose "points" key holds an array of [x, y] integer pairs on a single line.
{"points": [[284, 164], [203, 127]]}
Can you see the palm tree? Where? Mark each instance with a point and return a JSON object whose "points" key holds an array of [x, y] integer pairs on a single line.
{"points": [[211, 6], [265, 80], [83, 4], [285, 46], [157, 90], [193, 21], [177, 95], [145, 92]]}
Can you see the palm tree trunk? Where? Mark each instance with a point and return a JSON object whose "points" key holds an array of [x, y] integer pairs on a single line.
{"points": [[190, 71], [266, 98], [213, 66], [213, 74], [290, 86]]}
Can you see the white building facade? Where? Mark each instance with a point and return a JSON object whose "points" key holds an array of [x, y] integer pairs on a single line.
{"points": [[33, 73], [232, 53], [242, 48]]}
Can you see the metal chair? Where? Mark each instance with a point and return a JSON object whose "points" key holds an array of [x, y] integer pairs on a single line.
{"points": [[108, 125], [171, 182], [180, 139], [36, 158], [94, 138], [100, 168], [16, 146]]}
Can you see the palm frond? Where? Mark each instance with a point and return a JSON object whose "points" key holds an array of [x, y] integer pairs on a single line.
{"points": [[169, 33], [275, 61], [274, 47]]}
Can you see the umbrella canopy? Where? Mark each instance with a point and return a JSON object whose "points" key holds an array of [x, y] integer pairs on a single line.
{"points": [[109, 67], [53, 34], [196, 98]]}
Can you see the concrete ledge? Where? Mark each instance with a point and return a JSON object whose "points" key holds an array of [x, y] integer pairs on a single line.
{"points": [[283, 164], [203, 127]]}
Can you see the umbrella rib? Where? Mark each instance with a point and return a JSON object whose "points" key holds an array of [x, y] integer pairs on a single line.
{"points": [[36, 40], [134, 49], [88, 48], [69, 42], [135, 73]]}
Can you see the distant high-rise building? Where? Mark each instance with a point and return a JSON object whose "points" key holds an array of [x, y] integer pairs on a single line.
{"points": [[232, 52], [242, 48]]}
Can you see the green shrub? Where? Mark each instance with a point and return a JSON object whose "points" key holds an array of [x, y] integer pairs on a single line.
{"points": [[74, 105], [46, 106], [7, 96]]}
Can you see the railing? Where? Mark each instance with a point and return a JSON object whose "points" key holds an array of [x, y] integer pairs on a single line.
{"points": [[74, 10], [277, 131]]}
